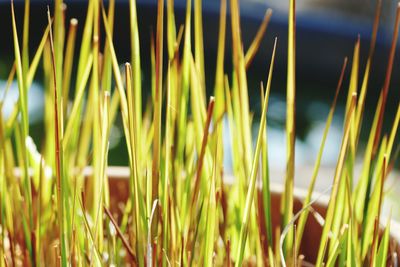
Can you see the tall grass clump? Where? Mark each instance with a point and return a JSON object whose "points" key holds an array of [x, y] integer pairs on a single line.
{"points": [[180, 210]]}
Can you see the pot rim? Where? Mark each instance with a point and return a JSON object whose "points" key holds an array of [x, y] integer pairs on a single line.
{"points": [[321, 199]]}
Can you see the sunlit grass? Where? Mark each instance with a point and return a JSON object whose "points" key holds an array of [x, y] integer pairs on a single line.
{"points": [[180, 210]]}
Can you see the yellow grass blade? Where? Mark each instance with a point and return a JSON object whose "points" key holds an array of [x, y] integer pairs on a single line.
{"points": [[287, 203], [252, 184]]}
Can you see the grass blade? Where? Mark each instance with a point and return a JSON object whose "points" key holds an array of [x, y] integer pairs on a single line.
{"points": [[252, 184], [336, 180], [303, 218], [251, 52], [287, 203], [58, 154]]}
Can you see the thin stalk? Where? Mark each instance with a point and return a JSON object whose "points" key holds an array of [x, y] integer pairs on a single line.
{"points": [[219, 73], [211, 213], [23, 104], [385, 87], [136, 72], [252, 184], [121, 235], [251, 52], [157, 113], [376, 230], [168, 150], [58, 154], [198, 42], [25, 39], [171, 29], [137, 212], [68, 62], [202, 152], [304, 215], [334, 194], [287, 203]]}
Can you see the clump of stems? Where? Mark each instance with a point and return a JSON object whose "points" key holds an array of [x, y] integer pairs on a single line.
{"points": [[180, 209]]}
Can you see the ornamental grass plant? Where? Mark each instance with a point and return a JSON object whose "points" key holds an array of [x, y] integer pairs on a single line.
{"points": [[180, 210]]}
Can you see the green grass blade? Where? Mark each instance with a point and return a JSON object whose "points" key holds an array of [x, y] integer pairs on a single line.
{"points": [[25, 39], [58, 154], [219, 72], [252, 183], [382, 254], [336, 181], [240, 82], [364, 85], [287, 203], [303, 218], [23, 104], [211, 214], [68, 62], [136, 71], [155, 173], [138, 211], [251, 52], [198, 42]]}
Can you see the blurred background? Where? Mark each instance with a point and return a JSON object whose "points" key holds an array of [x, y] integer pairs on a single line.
{"points": [[326, 33]]}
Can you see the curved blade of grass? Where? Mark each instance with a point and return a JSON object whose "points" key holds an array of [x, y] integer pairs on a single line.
{"points": [[251, 52], [252, 184]]}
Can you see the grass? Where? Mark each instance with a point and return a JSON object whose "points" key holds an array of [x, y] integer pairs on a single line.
{"points": [[180, 210]]}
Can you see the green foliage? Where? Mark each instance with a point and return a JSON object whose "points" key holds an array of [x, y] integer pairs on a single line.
{"points": [[180, 210]]}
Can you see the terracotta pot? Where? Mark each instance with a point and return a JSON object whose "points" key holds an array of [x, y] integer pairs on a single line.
{"points": [[119, 191]]}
